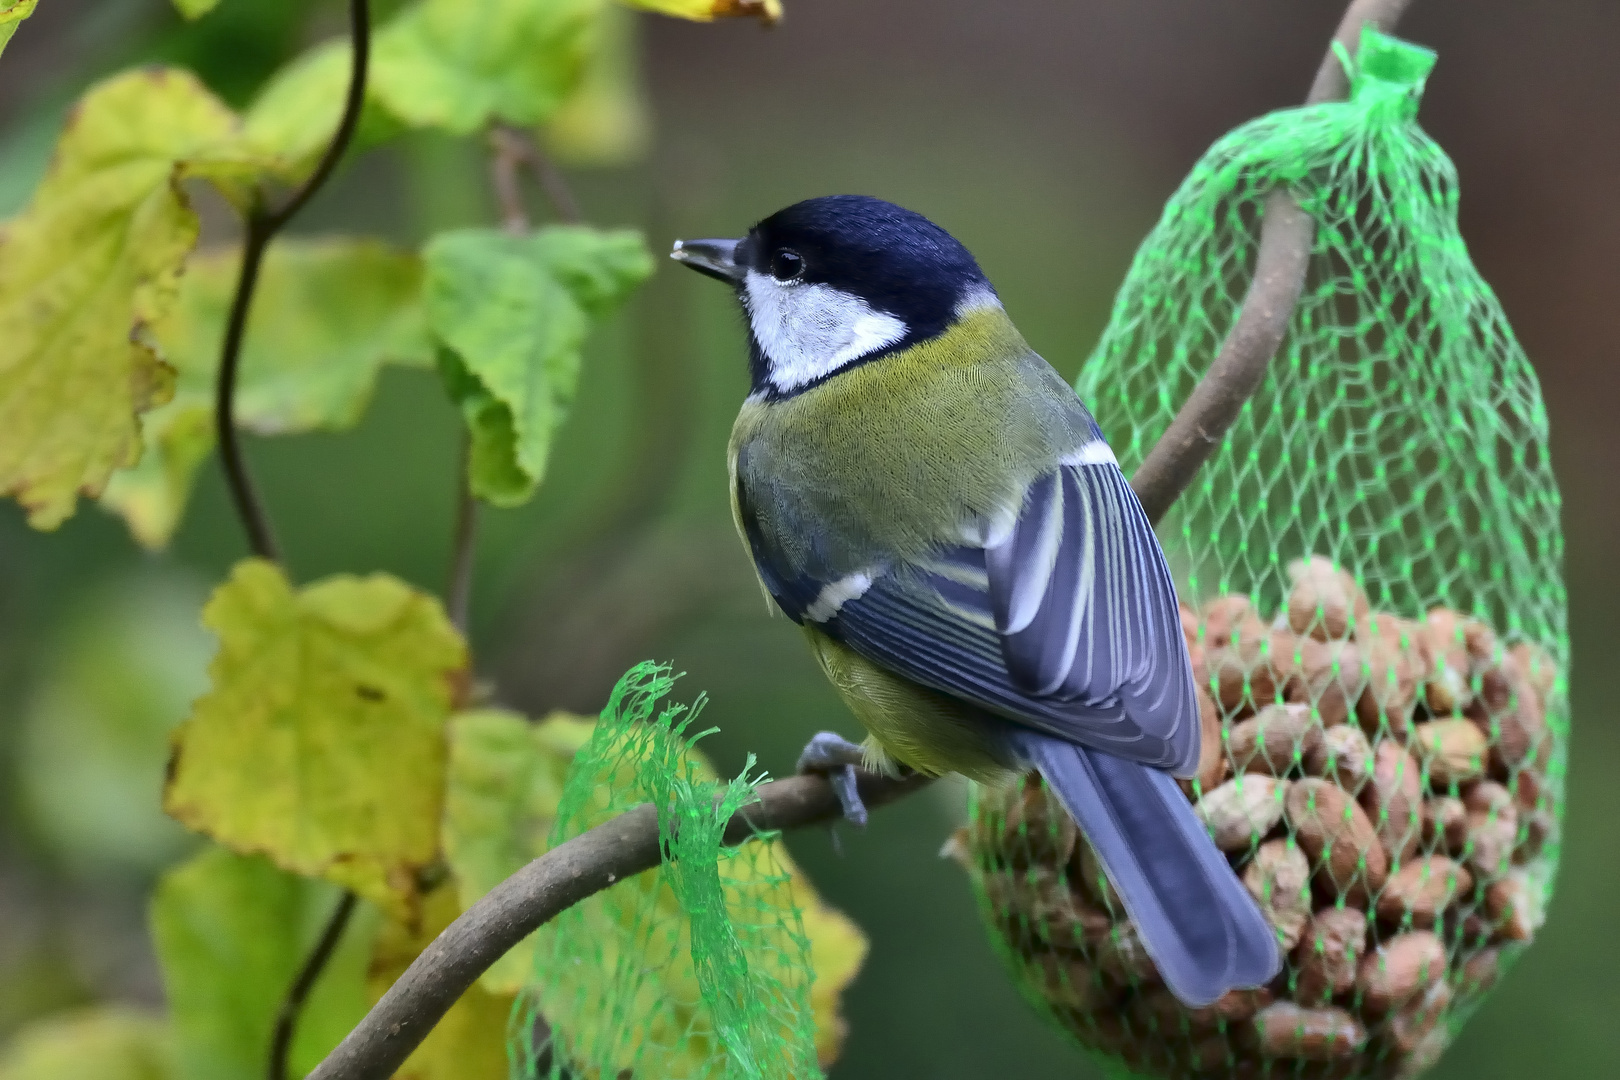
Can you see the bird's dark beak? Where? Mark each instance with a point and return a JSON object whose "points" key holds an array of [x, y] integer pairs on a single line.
{"points": [[717, 258]]}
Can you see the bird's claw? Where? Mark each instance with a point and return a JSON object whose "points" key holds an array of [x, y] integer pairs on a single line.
{"points": [[836, 758]]}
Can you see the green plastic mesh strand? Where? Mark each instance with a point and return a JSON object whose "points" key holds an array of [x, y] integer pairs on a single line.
{"points": [[1370, 569], [699, 969]]}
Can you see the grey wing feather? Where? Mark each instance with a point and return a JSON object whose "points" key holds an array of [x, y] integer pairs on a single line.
{"points": [[1067, 625], [1087, 611]]}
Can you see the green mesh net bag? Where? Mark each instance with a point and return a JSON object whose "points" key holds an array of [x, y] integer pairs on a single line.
{"points": [[704, 969], [1370, 574]]}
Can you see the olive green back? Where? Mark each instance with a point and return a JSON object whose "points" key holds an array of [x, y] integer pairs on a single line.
{"points": [[892, 458]]}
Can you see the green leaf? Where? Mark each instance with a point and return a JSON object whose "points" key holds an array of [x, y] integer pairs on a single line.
{"points": [[513, 313], [95, 736], [106, 1042], [296, 114], [13, 12], [460, 66], [469, 1041], [91, 263], [195, 9], [768, 12], [327, 314], [231, 933], [506, 776], [321, 741]]}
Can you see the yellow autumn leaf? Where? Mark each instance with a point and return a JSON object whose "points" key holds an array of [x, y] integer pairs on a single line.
{"points": [[506, 777], [768, 12], [321, 740], [86, 268], [469, 1041]]}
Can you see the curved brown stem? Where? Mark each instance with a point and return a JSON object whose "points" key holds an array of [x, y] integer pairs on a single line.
{"points": [[287, 1015], [262, 226], [628, 844], [557, 880], [1286, 234]]}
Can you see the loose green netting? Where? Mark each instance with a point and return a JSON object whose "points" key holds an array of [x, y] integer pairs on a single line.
{"points": [[700, 969], [1370, 569]]}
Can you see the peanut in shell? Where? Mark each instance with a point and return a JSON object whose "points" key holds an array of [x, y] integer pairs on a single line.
{"points": [[1253, 670], [1329, 954], [1400, 969], [1453, 751], [1410, 1024], [1445, 824], [1537, 666], [1419, 892], [1091, 880], [1067, 980], [1322, 1034], [1243, 810], [1278, 877], [1037, 828], [1509, 906], [1223, 616], [1394, 800], [1329, 677], [1397, 660], [1274, 740], [1339, 839], [1212, 764], [1343, 756], [1325, 602]]}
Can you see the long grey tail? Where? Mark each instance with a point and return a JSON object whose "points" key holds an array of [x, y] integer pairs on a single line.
{"points": [[1203, 930]]}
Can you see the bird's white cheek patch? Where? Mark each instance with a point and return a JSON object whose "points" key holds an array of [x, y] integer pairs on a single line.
{"points": [[809, 331]]}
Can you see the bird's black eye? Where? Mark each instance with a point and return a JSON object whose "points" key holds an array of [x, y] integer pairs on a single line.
{"points": [[786, 265]]}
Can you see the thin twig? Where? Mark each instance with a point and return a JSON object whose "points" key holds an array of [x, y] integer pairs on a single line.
{"points": [[262, 225], [287, 1015], [505, 161], [1286, 234], [458, 591], [261, 539], [628, 844], [520, 146]]}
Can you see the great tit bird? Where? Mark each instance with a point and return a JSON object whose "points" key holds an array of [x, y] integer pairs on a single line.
{"points": [[931, 502]]}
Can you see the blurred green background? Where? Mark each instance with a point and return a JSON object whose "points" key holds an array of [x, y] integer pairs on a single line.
{"points": [[1045, 135]]}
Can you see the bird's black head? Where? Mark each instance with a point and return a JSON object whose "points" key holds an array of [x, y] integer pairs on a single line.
{"points": [[839, 280]]}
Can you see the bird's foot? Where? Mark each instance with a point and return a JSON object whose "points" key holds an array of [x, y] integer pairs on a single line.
{"points": [[836, 758]]}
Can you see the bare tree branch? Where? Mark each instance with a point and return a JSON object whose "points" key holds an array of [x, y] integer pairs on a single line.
{"points": [[1286, 234], [628, 844], [551, 884]]}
